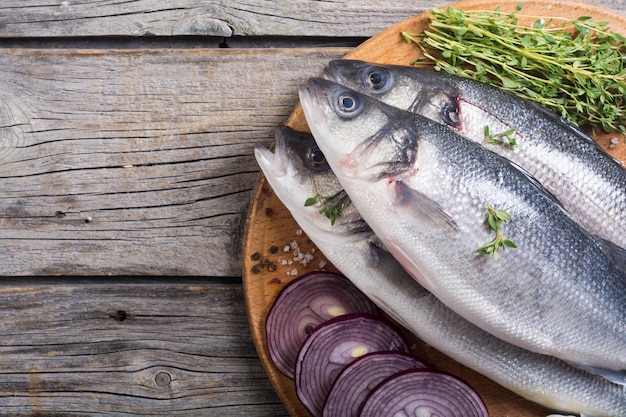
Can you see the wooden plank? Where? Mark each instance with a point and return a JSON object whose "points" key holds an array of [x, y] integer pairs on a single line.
{"points": [[142, 348], [80, 18], [136, 161], [36, 18]]}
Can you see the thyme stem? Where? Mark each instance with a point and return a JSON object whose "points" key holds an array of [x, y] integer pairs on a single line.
{"points": [[575, 67]]}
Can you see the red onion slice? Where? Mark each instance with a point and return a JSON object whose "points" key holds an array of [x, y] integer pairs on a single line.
{"points": [[356, 381], [417, 393], [301, 306], [335, 344]]}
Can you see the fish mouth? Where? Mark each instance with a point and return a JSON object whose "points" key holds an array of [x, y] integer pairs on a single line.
{"points": [[276, 162], [268, 162], [311, 103], [348, 72], [333, 73]]}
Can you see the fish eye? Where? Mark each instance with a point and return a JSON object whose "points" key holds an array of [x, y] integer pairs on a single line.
{"points": [[347, 103], [376, 80], [316, 159]]}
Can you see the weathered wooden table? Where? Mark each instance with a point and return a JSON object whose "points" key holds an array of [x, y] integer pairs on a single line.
{"points": [[126, 137]]}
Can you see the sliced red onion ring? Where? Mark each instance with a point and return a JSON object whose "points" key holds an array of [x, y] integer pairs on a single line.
{"points": [[335, 344], [301, 306], [417, 393], [355, 382]]}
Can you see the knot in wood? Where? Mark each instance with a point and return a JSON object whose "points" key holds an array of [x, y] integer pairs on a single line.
{"points": [[119, 315], [162, 379], [15, 122]]}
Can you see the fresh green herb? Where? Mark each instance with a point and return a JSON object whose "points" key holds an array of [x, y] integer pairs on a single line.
{"points": [[499, 138], [332, 211], [495, 219], [574, 67]]}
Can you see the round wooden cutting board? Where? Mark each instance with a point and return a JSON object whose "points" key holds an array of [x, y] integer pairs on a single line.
{"points": [[272, 236]]}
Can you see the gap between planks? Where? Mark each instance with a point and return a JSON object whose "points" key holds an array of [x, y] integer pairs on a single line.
{"points": [[182, 42]]}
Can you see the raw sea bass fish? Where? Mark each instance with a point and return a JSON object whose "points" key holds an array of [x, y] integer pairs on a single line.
{"points": [[424, 190], [297, 170], [589, 183]]}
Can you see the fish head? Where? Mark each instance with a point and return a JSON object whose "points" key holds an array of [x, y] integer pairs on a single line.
{"points": [[418, 90], [300, 150], [297, 171], [365, 137]]}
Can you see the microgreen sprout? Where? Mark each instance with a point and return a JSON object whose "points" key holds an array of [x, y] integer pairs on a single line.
{"points": [[500, 138], [494, 220], [332, 211], [575, 67]]}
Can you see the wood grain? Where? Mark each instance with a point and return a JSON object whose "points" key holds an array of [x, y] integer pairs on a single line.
{"points": [[195, 17], [263, 230], [125, 148], [89, 18], [136, 161], [139, 347]]}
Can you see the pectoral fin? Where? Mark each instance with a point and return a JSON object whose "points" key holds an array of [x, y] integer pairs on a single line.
{"points": [[617, 377], [618, 254], [423, 208]]}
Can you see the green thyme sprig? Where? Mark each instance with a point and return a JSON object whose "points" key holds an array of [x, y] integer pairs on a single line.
{"points": [[574, 67], [495, 219], [500, 138], [332, 211]]}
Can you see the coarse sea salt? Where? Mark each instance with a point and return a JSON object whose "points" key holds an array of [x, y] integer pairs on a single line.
{"points": [[613, 143]]}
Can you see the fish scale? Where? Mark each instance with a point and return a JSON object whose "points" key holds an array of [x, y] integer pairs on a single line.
{"points": [[352, 248], [589, 183], [418, 207]]}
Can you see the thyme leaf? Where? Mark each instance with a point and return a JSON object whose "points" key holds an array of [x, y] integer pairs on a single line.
{"points": [[499, 138], [574, 67], [332, 211], [494, 220]]}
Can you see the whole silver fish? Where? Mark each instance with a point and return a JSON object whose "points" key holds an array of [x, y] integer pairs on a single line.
{"points": [[425, 191], [296, 170], [590, 184]]}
